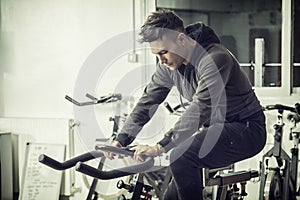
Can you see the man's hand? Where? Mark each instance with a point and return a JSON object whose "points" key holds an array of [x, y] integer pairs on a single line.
{"points": [[146, 150], [113, 143]]}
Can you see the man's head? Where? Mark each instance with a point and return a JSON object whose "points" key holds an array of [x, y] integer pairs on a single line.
{"points": [[165, 32], [158, 23]]}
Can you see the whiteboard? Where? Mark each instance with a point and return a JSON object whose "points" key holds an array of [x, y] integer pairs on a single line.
{"points": [[39, 181], [43, 130]]}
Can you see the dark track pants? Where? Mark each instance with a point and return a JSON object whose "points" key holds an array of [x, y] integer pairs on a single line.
{"points": [[217, 146]]}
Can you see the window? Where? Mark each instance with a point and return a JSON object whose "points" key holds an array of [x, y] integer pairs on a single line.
{"points": [[239, 23], [296, 45]]}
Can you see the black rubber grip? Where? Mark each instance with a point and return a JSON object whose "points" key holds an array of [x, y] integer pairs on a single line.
{"points": [[116, 173], [183, 105], [116, 150], [169, 108], [254, 173], [69, 163], [279, 107]]}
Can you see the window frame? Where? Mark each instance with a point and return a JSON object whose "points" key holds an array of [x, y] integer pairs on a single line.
{"points": [[286, 87]]}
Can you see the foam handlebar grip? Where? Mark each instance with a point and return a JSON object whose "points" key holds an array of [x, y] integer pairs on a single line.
{"points": [[69, 163], [116, 150], [115, 173]]}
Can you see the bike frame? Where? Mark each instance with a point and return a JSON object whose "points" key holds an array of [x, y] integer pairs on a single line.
{"points": [[289, 164]]}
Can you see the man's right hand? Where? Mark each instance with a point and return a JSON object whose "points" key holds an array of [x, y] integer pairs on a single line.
{"points": [[113, 143]]}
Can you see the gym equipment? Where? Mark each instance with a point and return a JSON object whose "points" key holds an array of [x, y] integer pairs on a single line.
{"points": [[148, 180], [280, 182], [153, 178], [93, 194], [116, 119], [139, 189], [104, 99], [139, 171], [227, 182], [177, 110]]}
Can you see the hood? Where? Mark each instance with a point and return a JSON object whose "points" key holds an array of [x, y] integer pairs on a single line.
{"points": [[203, 34]]}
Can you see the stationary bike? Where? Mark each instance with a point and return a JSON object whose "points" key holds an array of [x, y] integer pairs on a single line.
{"points": [[142, 184], [280, 182]]}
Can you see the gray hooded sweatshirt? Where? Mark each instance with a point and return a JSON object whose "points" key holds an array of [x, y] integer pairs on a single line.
{"points": [[213, 82]]}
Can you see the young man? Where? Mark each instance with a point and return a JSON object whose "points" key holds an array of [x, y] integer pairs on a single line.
{"points": [[224, 122]]}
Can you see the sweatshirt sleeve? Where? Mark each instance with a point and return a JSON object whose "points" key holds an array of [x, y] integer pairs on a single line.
{"points": [[154, 94], [209, 101]]}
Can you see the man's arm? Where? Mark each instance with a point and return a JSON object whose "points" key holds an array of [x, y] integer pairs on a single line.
{"points": [[154, 94], [209, 101]]}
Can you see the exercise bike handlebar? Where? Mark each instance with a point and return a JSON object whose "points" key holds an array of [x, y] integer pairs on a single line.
{"points": [[115, 173], [176, 109], [81, 158], [116, 150], [295, 109], [94, 100], [69, 163], [97, 173]]}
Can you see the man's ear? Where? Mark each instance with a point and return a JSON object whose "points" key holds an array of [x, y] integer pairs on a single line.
{"points": [[181, 39]]}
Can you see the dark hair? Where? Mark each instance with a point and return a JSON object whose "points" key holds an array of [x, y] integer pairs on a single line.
{"points": [[157, 23]]}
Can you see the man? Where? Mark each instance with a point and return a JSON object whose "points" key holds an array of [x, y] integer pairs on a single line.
{"points": [[224, 122]]}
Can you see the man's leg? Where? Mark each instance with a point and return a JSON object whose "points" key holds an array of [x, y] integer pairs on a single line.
{"points": [[171, 192], [218, 146]]}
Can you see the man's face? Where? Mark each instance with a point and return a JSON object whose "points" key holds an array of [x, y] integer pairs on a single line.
{"points": [[168, 52]]}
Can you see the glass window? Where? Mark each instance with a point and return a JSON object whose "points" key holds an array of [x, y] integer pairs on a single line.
{"points": [[239, 23], [296, 44]]}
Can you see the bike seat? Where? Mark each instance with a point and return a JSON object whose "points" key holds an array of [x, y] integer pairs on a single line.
{"points": [[226, 176]]}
